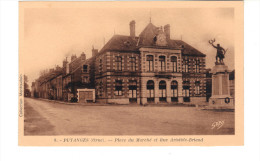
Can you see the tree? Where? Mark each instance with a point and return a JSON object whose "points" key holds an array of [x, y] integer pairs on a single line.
{"points": [[27, 92]]}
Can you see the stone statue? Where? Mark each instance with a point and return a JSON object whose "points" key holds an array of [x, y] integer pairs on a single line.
{"points": [[220, 52]]}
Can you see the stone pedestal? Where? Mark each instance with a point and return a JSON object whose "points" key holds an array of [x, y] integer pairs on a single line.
{"points": [[220, 98]]}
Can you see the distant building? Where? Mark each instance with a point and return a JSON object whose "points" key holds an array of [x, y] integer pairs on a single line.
{"points": [[62, 83], [33, 90], [77, 75]]}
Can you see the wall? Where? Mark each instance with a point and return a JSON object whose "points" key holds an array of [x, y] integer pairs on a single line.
{"points": [[106, 75], [194, 76], [198, 100]]}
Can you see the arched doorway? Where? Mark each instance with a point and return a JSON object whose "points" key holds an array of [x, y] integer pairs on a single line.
{"points": [[174, 91], [162, 91], [150, 91]]}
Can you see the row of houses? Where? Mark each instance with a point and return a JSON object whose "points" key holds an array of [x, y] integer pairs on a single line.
{"points": [[149, 68], [61, 83]]}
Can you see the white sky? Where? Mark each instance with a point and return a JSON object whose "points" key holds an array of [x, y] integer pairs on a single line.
{"points": [[51, 34]]}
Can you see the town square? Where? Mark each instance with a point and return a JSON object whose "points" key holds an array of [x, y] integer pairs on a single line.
{"points": [[143, 81]]}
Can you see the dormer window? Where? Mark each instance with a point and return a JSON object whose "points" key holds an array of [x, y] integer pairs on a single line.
{"points": [[127, 43], [85, 68], [154, 39]]}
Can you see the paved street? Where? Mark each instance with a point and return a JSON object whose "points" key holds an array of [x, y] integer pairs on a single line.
{"points": [[49, 118]]}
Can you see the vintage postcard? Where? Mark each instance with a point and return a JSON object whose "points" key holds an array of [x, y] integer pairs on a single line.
{"points": [[131, 73]]}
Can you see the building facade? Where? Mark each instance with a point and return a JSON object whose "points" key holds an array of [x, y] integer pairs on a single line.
{"points": [[62, 83], [149, 68]]}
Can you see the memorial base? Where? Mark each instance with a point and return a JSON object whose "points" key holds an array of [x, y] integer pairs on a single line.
{"points": [[221, 103], [220, 98]]}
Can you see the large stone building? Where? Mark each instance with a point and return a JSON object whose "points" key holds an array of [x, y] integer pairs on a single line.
{"points": [[149, 68]]}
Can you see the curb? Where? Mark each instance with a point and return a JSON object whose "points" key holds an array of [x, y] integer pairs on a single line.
{"points": [[98, 104]]}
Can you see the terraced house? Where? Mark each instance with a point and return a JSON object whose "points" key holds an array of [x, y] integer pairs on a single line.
{"points": [[63, 83], [149, 68]]}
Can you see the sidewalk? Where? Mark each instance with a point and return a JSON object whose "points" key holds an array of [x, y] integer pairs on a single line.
{"points": [[73, 103], [109, 104]]}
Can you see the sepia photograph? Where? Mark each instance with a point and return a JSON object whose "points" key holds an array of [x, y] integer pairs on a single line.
{"points": [[130, 69]]}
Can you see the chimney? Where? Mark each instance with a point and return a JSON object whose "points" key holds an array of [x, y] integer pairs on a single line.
{"points": [[182, 48], [51, 70], [73, 57], [94, 51], [58, 68], [67, 68], [132, 29], [65, 62], [167, 31], [83, 56]]}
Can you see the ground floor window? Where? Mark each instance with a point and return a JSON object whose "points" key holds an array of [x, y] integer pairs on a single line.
{"points": [[162, 91], [174, 91], [118, 88], [150, 91], [197, 87], [186, 91], [186, 95], [132, 91]]}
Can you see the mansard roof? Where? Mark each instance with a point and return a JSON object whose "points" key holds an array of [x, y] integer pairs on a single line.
{"points": [[83, 62], [188, 49], [49, 76], [146, 37], [122, 43]]}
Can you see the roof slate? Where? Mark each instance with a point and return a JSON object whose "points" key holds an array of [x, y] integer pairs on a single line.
{"points": [[188, 49], [122, 43], [146, 38]]}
